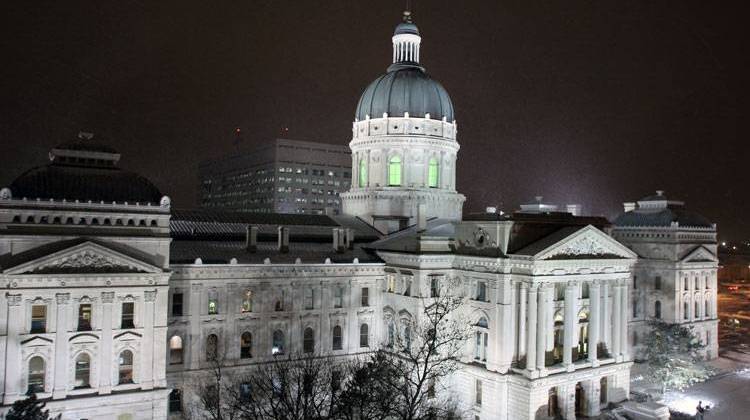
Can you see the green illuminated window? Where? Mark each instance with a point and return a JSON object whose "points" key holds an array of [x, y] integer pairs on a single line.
{"points": [[362, 173], [394, 171], [432, 176]]}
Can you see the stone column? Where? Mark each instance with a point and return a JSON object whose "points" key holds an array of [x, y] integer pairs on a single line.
{"points": [[541, 331], [606, 323], [60, 389], [594, 314], [147, 341], [194, 336], [571, 310], [624, 319], [105, 355], [617, 323], [531, 328], [13, 378], [523, 293], [591, 390], [550, 302]]}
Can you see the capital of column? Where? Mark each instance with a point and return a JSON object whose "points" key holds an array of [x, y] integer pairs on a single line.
{"points": [[62, 298], [108, 297], [13, 300], [149, 295]]}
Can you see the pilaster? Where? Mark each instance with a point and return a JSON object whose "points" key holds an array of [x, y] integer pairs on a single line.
{"points": [[60, 389], [105, 356]]}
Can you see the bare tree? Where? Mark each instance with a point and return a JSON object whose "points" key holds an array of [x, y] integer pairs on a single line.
{"points": [[399, 381]]}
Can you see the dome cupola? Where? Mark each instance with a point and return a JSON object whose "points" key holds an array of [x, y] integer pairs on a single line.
{"points": [[405, 88]]}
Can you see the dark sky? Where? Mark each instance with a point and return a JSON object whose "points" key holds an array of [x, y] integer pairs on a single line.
{"points": [[592, 102]]}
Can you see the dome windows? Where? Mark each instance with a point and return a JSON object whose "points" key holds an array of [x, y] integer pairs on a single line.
{"points": [[362, 173], [433, 173], [394, 171]]}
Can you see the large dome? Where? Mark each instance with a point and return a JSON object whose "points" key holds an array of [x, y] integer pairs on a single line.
{"points": [[84, 170], [406, 86]]}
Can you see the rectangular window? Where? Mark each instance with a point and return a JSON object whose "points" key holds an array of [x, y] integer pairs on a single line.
{"points": [[38, 319], [213, 305], [128, 309], [177, 304], [635, 282], [391, 280], [365, 296], [482, 291], [407, 286], [84, 317], [657, 283], [245, 392], [338, 297], [478, 392], [434, 286], [309, 298]]}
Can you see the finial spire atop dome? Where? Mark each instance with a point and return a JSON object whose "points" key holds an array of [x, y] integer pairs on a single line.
{"points": [[406, 41]]}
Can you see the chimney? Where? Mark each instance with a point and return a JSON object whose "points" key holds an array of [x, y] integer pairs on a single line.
{"points": [[629, 206], [283, 239], [421, 217], [338, 240], [251, 238], [574, 209], [350, 238]]}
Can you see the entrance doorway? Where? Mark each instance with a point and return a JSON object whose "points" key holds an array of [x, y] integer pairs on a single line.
{"points": [[603, 390], [580, 403], [553, 408]]}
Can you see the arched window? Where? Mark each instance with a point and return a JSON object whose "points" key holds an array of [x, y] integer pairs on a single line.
{"points": [[175, 350], [308, 340], [212, 347], [657, 309], [407, 337], [697, 306], [36, 375], [480, 340], [706, 313], [247, 301], [685, 309], [126, 367], [83, 368], [362, 173], [391, 334], [364, 335], [433, 173], [278, 342], [246, 345], [337, 337], [394, 171], [583, 334]]}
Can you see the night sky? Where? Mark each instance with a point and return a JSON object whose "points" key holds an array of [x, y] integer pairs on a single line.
{"points": [[590, 102]]}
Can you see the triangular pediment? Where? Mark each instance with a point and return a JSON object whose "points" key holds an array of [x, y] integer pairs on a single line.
{"points": [[84, 257], [586, 243], [699, 254]]}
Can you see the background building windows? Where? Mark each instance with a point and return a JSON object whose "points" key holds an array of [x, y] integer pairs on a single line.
{"points": [[364, 336], [308, 341], [175, 350], [278, 343], [82, 370]]}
